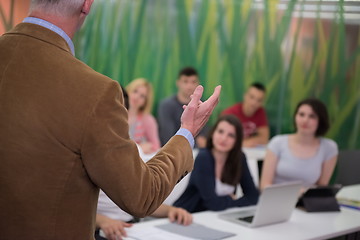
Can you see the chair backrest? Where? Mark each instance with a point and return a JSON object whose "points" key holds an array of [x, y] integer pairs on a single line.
{"points": [[348, 167]]}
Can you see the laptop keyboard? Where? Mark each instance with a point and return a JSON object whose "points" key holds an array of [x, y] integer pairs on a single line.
{"points": [[247, 219]]}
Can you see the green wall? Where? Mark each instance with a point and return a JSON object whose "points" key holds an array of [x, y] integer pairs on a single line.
{"points": [[233, 43]]}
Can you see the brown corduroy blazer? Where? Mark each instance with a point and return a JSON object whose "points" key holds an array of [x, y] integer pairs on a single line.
{"points": [[64, 135]]}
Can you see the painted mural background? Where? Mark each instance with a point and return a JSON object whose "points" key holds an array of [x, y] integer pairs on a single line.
{"points": [[296, 48], [295, 52]]}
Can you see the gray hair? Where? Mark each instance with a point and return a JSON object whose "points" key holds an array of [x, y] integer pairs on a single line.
{"points": [[64, 8]]}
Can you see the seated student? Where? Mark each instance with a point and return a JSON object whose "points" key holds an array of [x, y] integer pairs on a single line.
{"points": [[218, 169], [113, 221], [304, 155], [252, 116], [143, 127], [171, 108]]}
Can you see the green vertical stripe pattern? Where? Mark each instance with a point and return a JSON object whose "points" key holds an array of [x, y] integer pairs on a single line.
{"points": [[233, 43]]}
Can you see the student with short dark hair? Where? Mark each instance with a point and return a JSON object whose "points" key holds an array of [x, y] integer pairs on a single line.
{"points": [[252, 116], [218, 169], [187, 71], [171, 108], [304, 155]]}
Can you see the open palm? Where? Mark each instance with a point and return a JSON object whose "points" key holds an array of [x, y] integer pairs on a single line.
{"points": [[197, 113]]}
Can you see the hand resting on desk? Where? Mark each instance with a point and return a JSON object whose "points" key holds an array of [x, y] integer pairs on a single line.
{"points": [[115, 229]]}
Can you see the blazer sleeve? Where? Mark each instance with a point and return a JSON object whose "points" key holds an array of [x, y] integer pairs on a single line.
{"points": [[204, 180], [112, 160]]}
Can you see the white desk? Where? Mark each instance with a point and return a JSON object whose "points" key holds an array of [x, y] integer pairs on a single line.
{"points": [[301, 225]]}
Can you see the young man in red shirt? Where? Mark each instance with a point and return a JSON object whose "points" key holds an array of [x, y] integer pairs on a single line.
{"points": [[252, 116]]}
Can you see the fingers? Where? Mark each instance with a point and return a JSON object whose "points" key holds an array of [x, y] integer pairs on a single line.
{"points": [[184, 106], [186, 218], [181, 216], [172, 216], [180, 219], [127, 225], [122, 229], [115, 234], [196, 96], [214, 98], [121, 233], [116, 231], [118, 235], [196, 113]]}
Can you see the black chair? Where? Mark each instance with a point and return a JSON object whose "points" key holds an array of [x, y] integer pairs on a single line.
{"points": [[348, 167]]}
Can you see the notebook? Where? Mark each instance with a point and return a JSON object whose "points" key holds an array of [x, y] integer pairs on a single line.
{"points": [[275, 205]]}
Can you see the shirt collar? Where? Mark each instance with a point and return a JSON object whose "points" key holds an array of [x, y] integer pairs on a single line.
{"points": [[53, 28]]}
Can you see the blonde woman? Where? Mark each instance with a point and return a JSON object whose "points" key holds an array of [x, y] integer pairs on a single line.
{"points": [[143, 128]]}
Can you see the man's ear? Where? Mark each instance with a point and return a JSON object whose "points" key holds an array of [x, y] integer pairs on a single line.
{"points": [[86, 6]]}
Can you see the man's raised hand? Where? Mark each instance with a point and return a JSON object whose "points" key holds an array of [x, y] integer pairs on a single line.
{"points": [[197, 113]]}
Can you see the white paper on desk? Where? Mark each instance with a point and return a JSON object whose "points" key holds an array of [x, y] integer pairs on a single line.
{"points": [[153, 233], [195, 231]]}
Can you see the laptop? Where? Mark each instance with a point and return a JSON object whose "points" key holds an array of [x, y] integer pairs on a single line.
{"points": [[275, 205]]}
